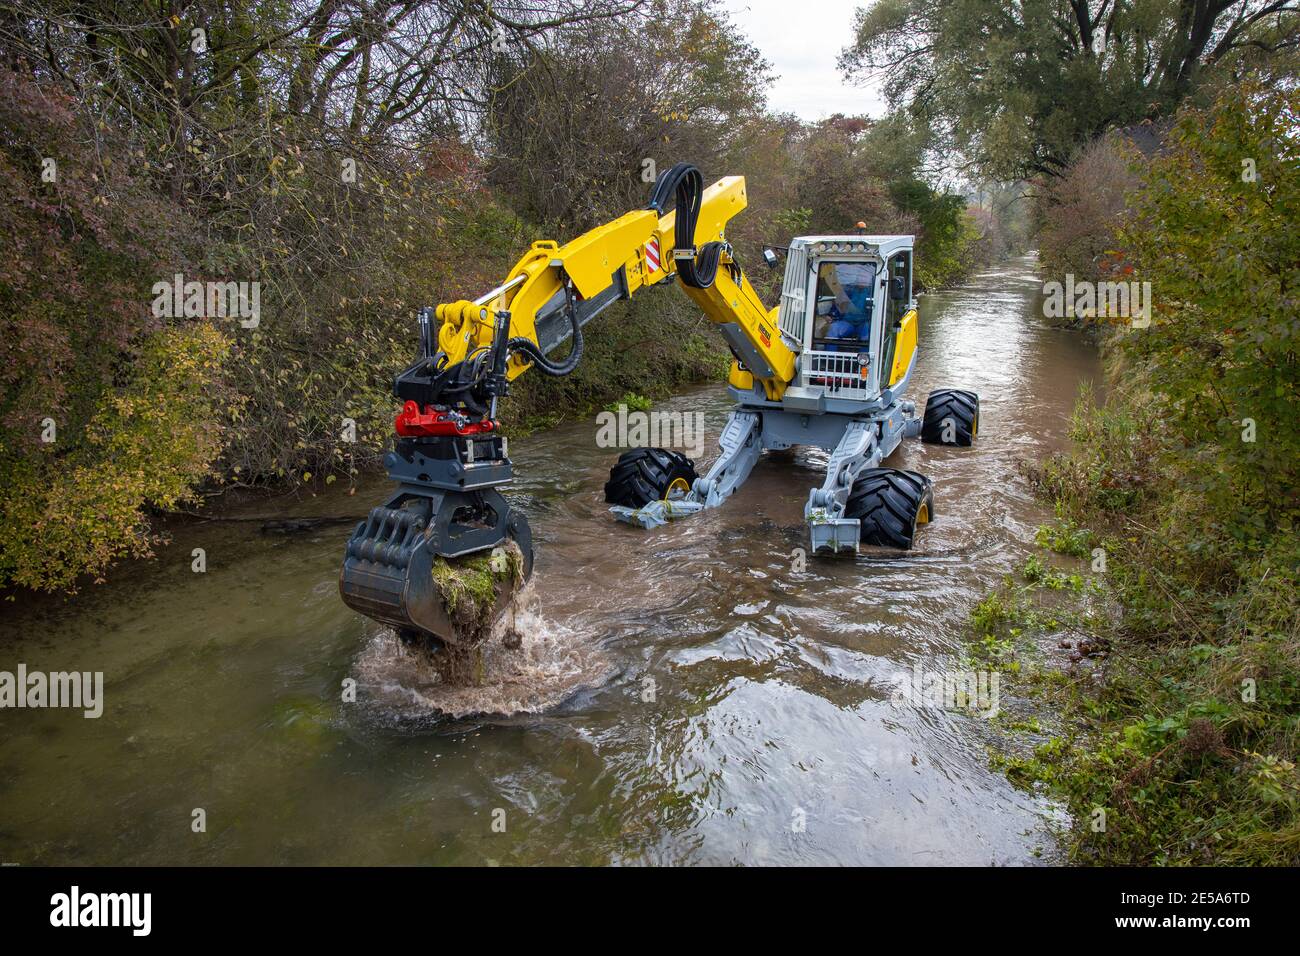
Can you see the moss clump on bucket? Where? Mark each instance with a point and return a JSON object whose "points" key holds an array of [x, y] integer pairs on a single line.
{"points": [[475, 591]]}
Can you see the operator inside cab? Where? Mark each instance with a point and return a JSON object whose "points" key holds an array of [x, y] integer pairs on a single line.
{"points": [[844, 303]]}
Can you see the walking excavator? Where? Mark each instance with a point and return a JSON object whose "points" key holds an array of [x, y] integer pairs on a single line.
{"points": [[827, 366]]}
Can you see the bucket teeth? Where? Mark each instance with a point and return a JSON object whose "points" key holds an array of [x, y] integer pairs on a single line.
{"points": [[387, 536]]}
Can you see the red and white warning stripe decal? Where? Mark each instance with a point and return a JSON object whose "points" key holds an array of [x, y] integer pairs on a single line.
{"points": [[652, 255]]}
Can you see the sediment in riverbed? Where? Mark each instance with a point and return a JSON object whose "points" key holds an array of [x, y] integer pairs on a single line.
{"points": [[478, 590]]}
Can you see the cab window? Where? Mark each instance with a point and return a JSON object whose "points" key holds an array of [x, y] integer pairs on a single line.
{"points": [[900, 266], [845, 292]]}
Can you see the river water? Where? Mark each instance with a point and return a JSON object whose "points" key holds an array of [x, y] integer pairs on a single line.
{"points": [[694, 697]]}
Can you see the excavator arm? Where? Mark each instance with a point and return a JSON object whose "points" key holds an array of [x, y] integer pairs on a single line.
{"points": [[555, 290], [450, 457]]}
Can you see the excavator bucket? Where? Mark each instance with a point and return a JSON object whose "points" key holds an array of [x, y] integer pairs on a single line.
{"points": [[407, 565], [387, 575]]}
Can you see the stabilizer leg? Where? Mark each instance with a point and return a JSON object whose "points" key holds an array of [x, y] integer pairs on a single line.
{"points": [[828, 529]]}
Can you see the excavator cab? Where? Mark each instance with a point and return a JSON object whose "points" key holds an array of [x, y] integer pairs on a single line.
{"points": [[838, 308]]}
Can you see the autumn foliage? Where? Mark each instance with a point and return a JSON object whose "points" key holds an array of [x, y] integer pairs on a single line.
{"points": [[106, 409]]}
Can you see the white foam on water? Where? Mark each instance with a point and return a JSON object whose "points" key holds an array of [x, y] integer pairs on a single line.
{"points": [[549, 663]]}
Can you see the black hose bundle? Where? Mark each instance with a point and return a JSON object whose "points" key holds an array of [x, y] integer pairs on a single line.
{"points": [[685, 182], [539, 359], [462, 382]]}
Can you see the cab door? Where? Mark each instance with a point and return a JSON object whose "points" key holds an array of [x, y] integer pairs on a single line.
{"points": [[900, 320]]}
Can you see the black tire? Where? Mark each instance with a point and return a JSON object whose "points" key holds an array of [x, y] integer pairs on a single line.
{"points": [[951, 404], [889, 504], [643, 475]]}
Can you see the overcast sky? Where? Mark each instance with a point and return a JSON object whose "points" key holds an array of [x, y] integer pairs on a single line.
{"points": [[802, 39]]}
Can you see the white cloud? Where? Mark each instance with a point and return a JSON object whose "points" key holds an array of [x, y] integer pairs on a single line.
{"points": [[802, 39]]}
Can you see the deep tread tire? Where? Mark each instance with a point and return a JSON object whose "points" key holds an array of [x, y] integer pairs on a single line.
{"points": [[643, 475], [887, 503], [951, 403]]}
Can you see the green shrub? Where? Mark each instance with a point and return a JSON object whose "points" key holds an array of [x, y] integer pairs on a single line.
{"points": [[84, 503], [1187, 743]]}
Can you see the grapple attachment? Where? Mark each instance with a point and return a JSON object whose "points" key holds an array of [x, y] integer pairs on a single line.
{"points": [[389, 568], [425, 561], [400, 566]]}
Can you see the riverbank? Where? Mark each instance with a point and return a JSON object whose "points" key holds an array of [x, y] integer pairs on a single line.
{"points": [[1171, 729], [1157, 704]]}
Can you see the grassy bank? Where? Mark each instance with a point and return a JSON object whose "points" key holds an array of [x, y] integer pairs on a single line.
{"points": [[1157, 633], [1159, 705]]}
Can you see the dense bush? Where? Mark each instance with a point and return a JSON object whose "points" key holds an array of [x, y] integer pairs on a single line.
{"points": [[1214, 232], [1187, 479], [105, 409], [1080, 211]]}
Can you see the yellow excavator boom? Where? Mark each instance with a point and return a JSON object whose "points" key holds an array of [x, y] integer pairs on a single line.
{"points": [[615, 261], [449, 459]]}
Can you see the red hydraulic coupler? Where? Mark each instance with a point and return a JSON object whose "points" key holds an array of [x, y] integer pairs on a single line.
{"points": [[413, 423]]}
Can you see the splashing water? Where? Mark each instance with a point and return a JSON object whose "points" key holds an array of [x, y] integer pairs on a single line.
{"points": [[527, 665]]}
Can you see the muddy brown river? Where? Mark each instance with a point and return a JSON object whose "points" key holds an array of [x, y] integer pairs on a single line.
{"points": [[683, 695]]}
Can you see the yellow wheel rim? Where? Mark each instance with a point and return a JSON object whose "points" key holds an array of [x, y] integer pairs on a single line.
{"points": [[923, 513], [679, 484], [975, 427]]}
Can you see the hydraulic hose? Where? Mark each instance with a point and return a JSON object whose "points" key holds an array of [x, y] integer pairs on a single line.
{"points": [[686, 184], [539, 359], [460, 382]]}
